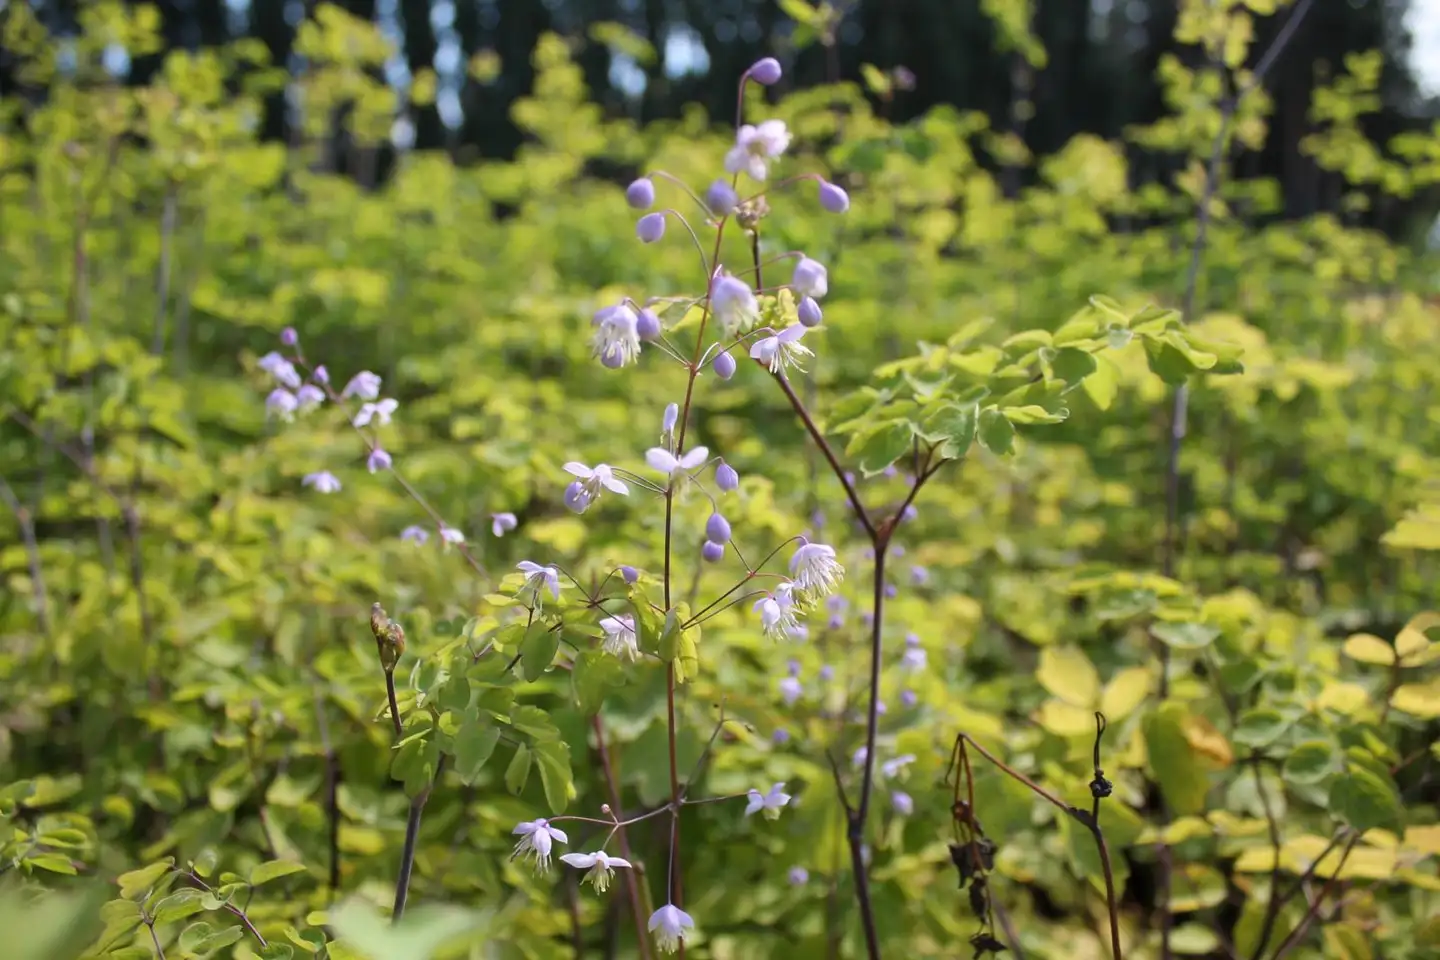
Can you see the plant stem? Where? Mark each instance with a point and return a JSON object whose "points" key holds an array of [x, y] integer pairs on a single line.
{"points": [[26, 522], [856, 827], [632, 888], [412, 835], [1289, 942]]}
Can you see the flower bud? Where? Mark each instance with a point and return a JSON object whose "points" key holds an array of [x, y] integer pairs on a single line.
{"points": [[378, 460], [647, 324], [614, 359], [724, 366], [389, 638], [640, 194], [908, 698], [717, 529], [810, 278], [712, 551], [833, 198], [765, 71], [320, 375], [575, 497], [810, 313], [726, 478], [650, 227], [289, 337], [629, 573], [799, 876], [720, 197]]}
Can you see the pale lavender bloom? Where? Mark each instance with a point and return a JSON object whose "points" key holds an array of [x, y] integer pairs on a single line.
{"points": [[726, 478], [897, 551], [647, 324], [650, 227], [791, 690], [837, 604], [629, 573], [365, 385], [912, 639], [765, 71], [601, 867], [770, 802], [889, 472], [323, 481], [717, 528], [891, 590], [880, 708], [667, 423], [799, 876], [782, 349], [537, 580], [721, 198], [289, 337], [620, 640], [281, 369], [378, 460], [833, 198], [858, 759], [593, 481], [575, 496], [827, 672], [617, 336], [810, 312], [777, 611], [902, 803], [640, 194], [755, 146], [810, 279], [378, 412], [451, 535], [415, 534], [501, 522], [914, 659], [537, 839], [919, 575], [909, 513], [669, 924], [309, 397], [836, 621], [897, 765], [281, 403], [866, 617], [792, 667], [800, 631], [724, 366], [665, 462], [781, 736], [320, 375], [733, 303], [909, 698], [904, 78], [815, 569], [712, 552]]}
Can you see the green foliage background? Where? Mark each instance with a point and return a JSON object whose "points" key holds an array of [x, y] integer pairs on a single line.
{"points": [[186, 663]]}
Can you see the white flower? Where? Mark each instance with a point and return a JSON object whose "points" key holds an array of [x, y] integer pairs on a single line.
{"points": [[281, 369], [601, 867], [810, 279], [791, 690], [323, 481], [755, 146], [595, 479], [281, 403], [415, 534], [365, 385], [538, 578], [815, 568], [537, 838], [309, 397], [891, 767], [913, 659], [782, 349], [667, 463], [501, 522], [451, 535], [902, 802], [770, 802], [620, 638], [858, 760], [617, 338], [379, 412], [777, 612], [733, 303], [669, 924]]}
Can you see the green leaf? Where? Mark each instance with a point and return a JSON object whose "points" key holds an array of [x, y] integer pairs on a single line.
{"points": [[995, 432], [1072, 364], [473, 746], [519, 770], [537, 651], [594, 676], [1182, 777], [1184, 636], [1365, 801], [178, 905], [1260, 727], [953, 427], [880, 446], [274, 870], [454, 693], [137, 884], [1033, 413], [1309, 762], [553, 759], [51, 862], [535, 722]]}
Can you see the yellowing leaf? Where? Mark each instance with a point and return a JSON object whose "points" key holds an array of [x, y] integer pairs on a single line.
{"points": [[1426, 839], [1412, 645], [1207, 741], [1346, 698], [1418, 699], [1125, 691], [1368, 648], [1065, 719], [1068, 674]]}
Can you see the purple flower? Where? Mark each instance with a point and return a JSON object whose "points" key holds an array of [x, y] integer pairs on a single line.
{"points": [[810, 312], [902, 803], [896, 765], [629, 573], [777, 611], [897, 551], [765, 71], [836, 621], [711, 551], [782, 350], [538, 579], [667, 422], [827, 672], [919, 575], [755, 146], [669, 924], [912, 639], [365, 385], [650, 227], [378, 412], [592, 482], [289, 337], [837, 604], [721, 198], [717, 528], [378, 460], [904, 78], [617, 336], [281, 369], [909, 698], [891, 590], [620, 641], [640, 194], [281, 403], [780, 736], [858, 760], [909, 513], [724, 366], [889, 472], [320, 375], [726, 478], [501, 522], [647, 324], [832, 198], [810, 279], [536, 839], [733, 303], [791, 690], [769, 803], [799, 876], [792, 667], [880, 708], [815, 569], [451, 535], [415, 534], [323, 481], [309, 397], [913, 659], [576, 499]]}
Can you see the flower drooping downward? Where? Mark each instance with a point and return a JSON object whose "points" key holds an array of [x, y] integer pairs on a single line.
{"points": [[620, 641], [755, 146], [768, 803], [617, 336], [672, 466], [538, 579], [815, 569], [323, 481], [537, 839], [734, 305], [593, 480], [782, 350], [669, 924], [777, 612], [378, 412], [601, 867]]}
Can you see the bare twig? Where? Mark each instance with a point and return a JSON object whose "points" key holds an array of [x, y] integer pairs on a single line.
{"points": [[26, 522], [1303, 926], [612, 786]]}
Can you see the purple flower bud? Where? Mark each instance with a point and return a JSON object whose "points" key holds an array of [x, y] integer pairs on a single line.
{"points": [[891, 590], [717, 529], [320, 375], [668, 418], [827, 672], [897, 551], [309, 397], [909, 513], [850, 477], [836, 621], [880, 708], [289, 337], [640, 194], [799, 876], [576, 498], [765, 71], [414, 534], [726, 478], [912, 639], [810, 312], [711, 551], [889, 471], [613, 360], [721, 198], [909, 698], [904, 78], [833, 198], [810, 278], [792, 667], [378, 460], [629, 573], [919, 575], [647, 324], [817, 519], [835, 603], [724, 366], [902, 803], [650, 227], [780, 736]]}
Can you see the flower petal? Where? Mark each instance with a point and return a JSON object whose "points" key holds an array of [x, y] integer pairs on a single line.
{"points": [[661, 459], [581, 860], [577, 469], [695, 457], [614, 484]]}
